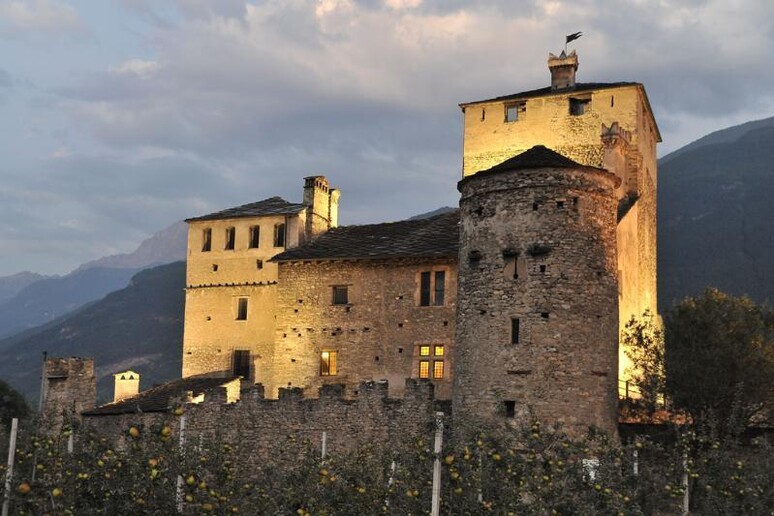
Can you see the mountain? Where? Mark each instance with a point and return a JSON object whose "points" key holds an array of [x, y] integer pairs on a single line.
{"points": [[42, 299], [715, 225], [167, 246], [47, 299], [12, 285], [427, 215], [139, 327], [727, 135]]}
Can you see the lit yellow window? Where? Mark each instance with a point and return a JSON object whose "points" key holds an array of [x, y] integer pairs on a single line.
{"points": [[424, 369], [438, 369], [328, 363], [438, 351], [424, 351]]}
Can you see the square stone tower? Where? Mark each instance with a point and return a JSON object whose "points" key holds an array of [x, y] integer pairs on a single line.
{"points": [[606, 125]]}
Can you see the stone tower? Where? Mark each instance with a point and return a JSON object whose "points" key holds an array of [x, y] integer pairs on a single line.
{"points": [[537, 306], [607, 125], [69, 388]]}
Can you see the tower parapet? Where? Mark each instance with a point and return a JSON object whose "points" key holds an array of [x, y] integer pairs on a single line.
{"points": [[563, 70]]}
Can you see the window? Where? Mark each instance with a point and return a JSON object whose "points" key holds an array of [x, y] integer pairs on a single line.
{"points": [[241, 363], [279, 235], [255, 237], [340, 294], [514, 331], [431, 361], [510, 408], [515, 111], [241, 309], [579, 106], [432, 288], [230, 239], [259, 264], [206, 240], [328, 363]]}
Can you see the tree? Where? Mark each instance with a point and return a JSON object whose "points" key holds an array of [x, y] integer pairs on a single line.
{"points": [[12, 404], [643, 341], [719, 357]]}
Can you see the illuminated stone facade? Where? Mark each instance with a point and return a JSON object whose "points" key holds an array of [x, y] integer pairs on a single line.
{"points": [[569, 118], [510, 307]]}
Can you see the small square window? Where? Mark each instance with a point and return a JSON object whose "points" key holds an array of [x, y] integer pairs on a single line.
{"points": [[259, 264], [328, 365], [579, 106], [438, 350], [424, 369], [424, 351], [241, 309], [515, 111], [340, 295]]}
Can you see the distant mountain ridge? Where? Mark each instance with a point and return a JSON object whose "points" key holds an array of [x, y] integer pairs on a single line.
{"points": [[34, 300], [166, 246], [715, 224], [138, 327]]}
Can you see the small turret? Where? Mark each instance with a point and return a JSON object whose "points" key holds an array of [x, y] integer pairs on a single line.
{"points": [[563, 70]]}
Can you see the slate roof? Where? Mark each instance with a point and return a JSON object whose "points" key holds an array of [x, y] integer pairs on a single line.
{"points": [[270, 206], [543, 92], [432, 237], [159, 398]]}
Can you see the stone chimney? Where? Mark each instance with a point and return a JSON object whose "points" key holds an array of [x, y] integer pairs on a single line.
{"points": [[563, 70], [127, 384], [322, 206]]}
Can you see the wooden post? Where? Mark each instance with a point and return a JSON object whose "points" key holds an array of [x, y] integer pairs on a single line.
{"points": [[636, 464], [324, 450], [686, 493], [11, 460], [181, 445], [436, 502]]}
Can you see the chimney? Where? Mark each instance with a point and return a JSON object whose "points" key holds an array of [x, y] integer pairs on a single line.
{"points": [[322, 206], [127, 384], [563, 70]]}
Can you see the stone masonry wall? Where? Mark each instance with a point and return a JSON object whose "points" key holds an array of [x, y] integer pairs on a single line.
{"points": [[70, 388], [292, 422], [562, 224], [376, 335]]}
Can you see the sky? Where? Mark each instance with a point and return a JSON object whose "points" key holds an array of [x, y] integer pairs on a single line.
{"points": [[120, 117]]}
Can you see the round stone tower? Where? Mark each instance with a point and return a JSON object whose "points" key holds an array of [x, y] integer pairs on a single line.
{"points": [[537, 302]]}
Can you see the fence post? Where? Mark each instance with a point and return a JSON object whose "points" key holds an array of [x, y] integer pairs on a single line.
{"points": [[11, 459], [686, 493], [636, 464], [324, 445], [181, 447], [434, 511]]}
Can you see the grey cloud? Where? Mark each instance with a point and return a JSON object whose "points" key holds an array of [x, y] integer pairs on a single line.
{"points": [[6, 81]]}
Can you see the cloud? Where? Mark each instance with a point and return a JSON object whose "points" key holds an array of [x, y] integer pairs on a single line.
{"points": [[39, 15], [137, 67], [6, 81]]}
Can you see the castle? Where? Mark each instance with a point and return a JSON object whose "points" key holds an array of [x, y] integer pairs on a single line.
{"points": [[510, 307]]}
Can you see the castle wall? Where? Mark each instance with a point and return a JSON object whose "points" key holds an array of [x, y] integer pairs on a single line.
{"points": [[376, 335], [293, 422], [562, 367]]}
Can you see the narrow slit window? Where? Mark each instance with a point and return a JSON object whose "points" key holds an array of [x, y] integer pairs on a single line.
{"points": [[241, 309], [259, 264], [424, 289], [206, 240], [279, 235], [440, 288], [255, 237], [515, 330], [510, 408], [230, 239]]}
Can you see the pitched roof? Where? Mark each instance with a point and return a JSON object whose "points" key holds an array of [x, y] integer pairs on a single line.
{"points": [[432, 237], [538, 156], [160, 398], [270, 206], [543, 92]]}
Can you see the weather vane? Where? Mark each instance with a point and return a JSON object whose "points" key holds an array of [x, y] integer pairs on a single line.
{"points": [[571, 37]]}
